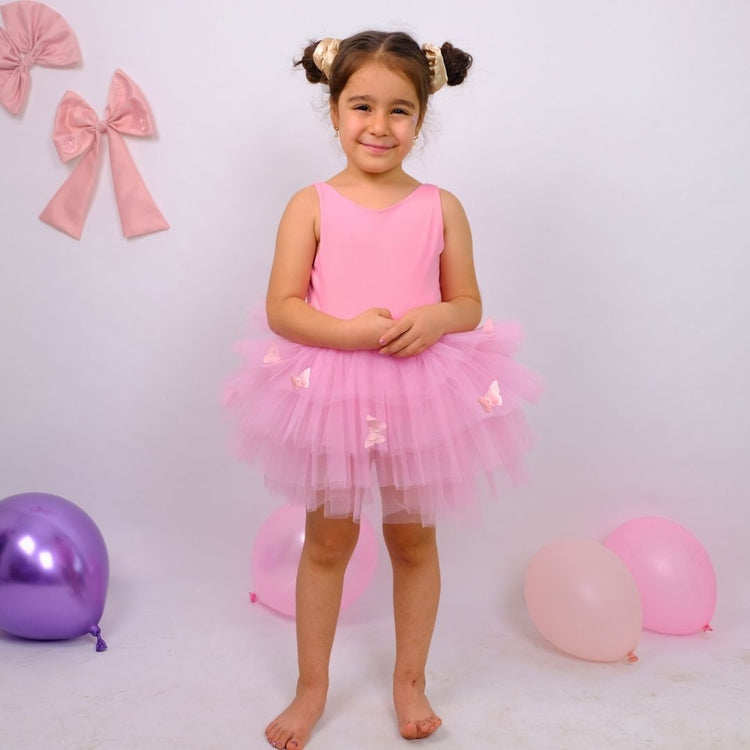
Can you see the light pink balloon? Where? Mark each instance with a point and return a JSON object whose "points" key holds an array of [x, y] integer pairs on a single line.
{"points": [[276, 555], [583, 600], [673, 572]]}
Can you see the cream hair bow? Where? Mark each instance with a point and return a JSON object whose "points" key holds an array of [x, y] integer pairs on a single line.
{"points": [[437, 66], [325, 54]]}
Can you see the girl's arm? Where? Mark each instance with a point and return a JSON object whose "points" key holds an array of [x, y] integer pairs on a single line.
{"points": [[461, 306], [288, 313]]}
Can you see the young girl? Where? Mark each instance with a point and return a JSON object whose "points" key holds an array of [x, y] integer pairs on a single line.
{"points": [[377, 368]]}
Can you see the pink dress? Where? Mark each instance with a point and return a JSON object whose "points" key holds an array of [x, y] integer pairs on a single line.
{"points": [[327, 425]]}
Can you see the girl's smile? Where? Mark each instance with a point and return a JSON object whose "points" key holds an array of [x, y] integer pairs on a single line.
{"points": [[375, 148]]}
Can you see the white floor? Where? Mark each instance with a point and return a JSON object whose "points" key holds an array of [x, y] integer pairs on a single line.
{"points": [[193, 665]]}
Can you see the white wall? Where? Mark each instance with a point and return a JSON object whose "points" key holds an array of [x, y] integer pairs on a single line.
{"points": [[601, 152]]}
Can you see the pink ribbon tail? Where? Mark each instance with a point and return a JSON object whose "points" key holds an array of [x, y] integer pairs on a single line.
{"points": [[14, 85], [69, 205], [139, 213]]}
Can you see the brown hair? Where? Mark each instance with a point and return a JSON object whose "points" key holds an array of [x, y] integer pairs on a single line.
{"points": [[394, 49]]}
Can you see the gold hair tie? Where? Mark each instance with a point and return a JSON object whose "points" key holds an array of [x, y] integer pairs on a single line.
{"points": [[437, 66], [325, 53]]}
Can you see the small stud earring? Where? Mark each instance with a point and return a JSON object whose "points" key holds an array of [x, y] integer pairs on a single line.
{"points": [[335, 132]]}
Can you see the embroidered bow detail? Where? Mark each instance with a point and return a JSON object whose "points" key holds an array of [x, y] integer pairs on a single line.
{"points": [[78, 132], [34, 34], [376, 432], [492, 398], [302, 380]]}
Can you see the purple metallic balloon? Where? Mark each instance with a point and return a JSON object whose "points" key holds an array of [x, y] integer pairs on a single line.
{"points": [[54, 569]]}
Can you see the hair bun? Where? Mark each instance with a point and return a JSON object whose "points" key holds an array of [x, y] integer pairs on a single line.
{"points": [[312, 72], [457, 63]]}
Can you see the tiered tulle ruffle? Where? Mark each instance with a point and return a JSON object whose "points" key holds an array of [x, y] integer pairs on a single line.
{"points": [[316, 420]]}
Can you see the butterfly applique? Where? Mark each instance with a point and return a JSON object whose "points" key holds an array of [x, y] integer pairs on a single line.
{"points": [[375, 432], [272, 355], [302, 380], [492, 398]]}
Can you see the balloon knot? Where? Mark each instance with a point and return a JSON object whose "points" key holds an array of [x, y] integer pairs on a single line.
{"points": [[253, 598], [707, 629], [631, 657], [101, 644]]}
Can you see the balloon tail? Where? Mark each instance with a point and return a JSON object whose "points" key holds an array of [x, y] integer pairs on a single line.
{"points": [[631, 657], [101, 644], [253, 598], [707, 629]]}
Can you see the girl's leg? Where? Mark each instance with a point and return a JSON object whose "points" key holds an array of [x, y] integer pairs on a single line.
{"points": [[416, 591], [329, 544]]}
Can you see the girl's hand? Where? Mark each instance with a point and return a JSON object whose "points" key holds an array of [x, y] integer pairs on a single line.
{"points": [[461, 306], [368, 328], [416, 331]]}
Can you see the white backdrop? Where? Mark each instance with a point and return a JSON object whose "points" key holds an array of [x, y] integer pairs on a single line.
{"points": [[602, 153]]}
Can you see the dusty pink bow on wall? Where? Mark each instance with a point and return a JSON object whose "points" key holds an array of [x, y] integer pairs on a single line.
{"points": [[34, 34], [78, 132]]}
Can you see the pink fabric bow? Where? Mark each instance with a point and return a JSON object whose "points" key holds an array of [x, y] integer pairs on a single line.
{"points": [[492, 398], [272, 355], [302, 380], [34, 34], [375, 432], [78, 131]]}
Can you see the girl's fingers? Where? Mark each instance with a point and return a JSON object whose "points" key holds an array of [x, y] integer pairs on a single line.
{"points": [[393, 333], [398, 345]]}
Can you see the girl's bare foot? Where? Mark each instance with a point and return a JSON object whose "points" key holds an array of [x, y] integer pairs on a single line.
{"points": [[416, 719], [292, 728]]}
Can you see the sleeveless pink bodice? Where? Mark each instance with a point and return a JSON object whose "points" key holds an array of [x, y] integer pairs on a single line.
{"points": [[377, 257]]}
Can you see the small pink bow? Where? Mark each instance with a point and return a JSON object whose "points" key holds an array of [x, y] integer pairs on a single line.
{"points": [[272, 355], [78, 131], [375, 432], [34, 34], [491, 398], [302, 380]]}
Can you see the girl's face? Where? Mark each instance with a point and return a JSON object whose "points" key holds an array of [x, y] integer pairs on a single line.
{"points": [[377, 117]]}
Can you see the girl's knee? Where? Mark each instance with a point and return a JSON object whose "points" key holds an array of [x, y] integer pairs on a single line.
{"points": [[330, 542], [410, 544]]}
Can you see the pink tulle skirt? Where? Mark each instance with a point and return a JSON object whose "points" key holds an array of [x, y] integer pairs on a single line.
{"points": [[326, 425]]}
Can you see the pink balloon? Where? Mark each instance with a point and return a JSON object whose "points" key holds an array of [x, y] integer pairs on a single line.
{"points": [[276, 555], [673, 572], [583, 600]]}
